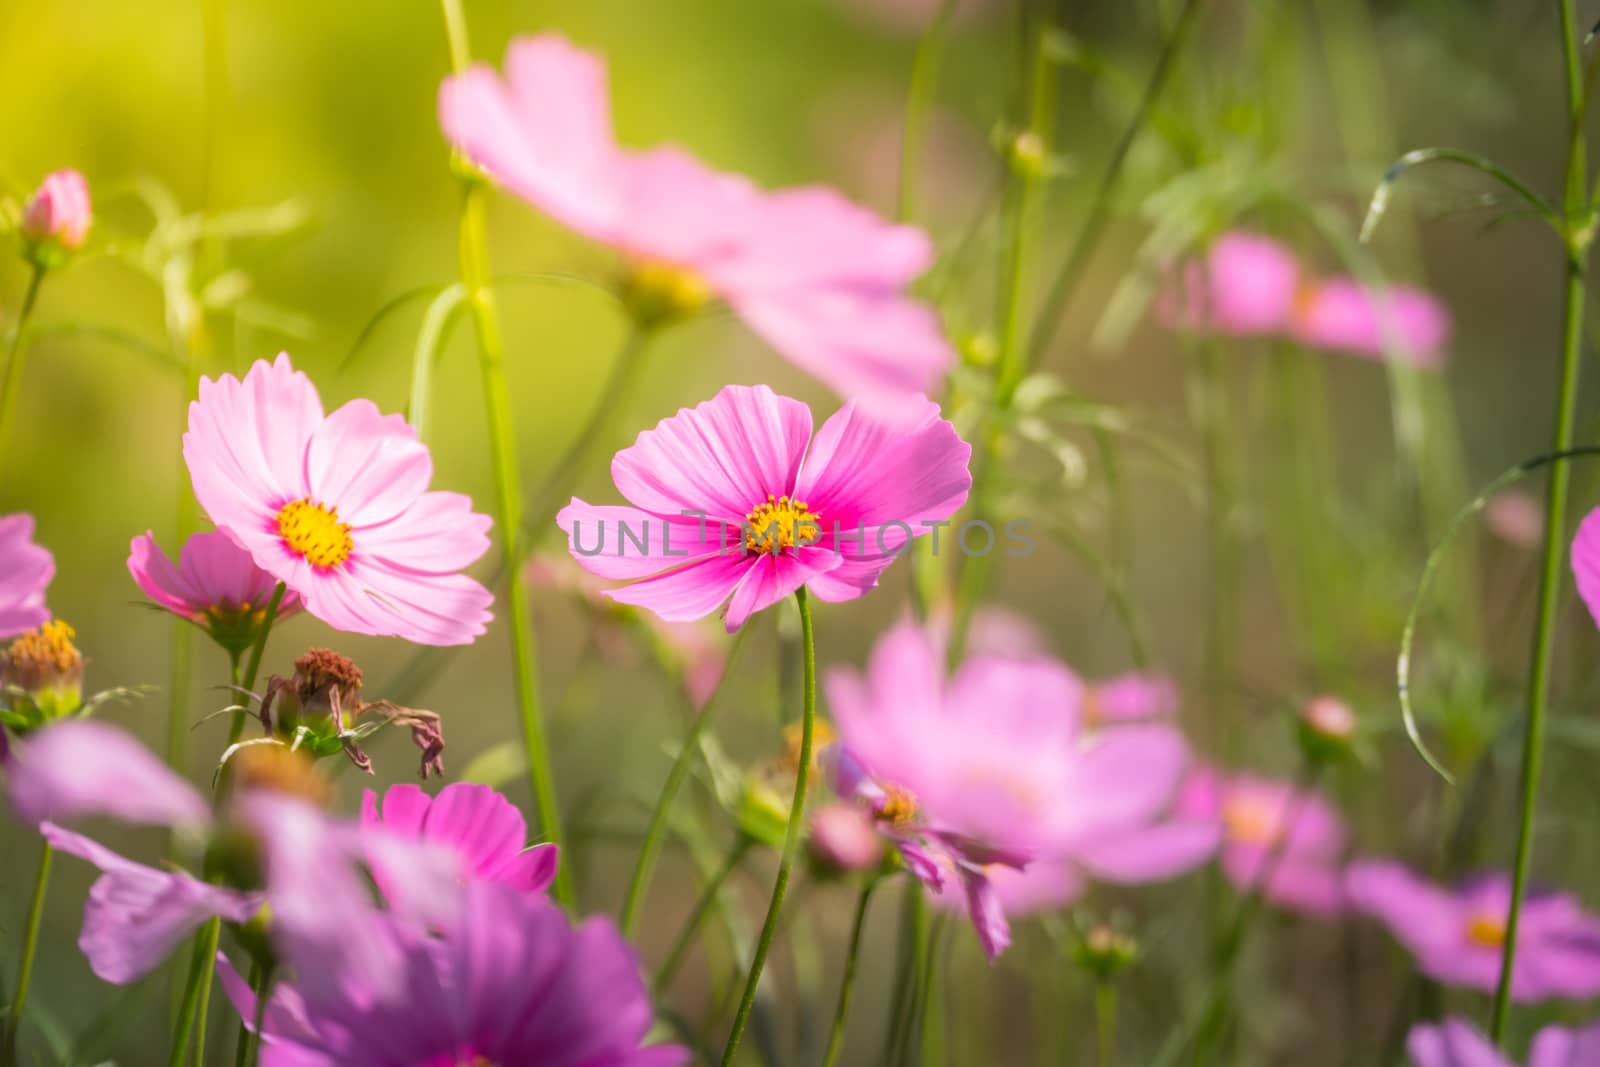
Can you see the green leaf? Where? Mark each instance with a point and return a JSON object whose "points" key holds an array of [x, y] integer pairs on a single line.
{"points": [[437, 323]]}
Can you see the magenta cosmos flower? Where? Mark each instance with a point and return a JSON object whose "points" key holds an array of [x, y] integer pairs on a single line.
{"points": [[993, 769], [1457, 935], [735, 503], [136, 914], [512, 983], [1249, 285], [215, 584], [1457, 1043], [25, 573], [819, 278], [58, 212], [483, 828], [337, 507], [1586, 562], [1271, 830]]}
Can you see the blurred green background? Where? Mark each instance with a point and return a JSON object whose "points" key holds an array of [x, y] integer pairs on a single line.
{"points": [[326, 117]]}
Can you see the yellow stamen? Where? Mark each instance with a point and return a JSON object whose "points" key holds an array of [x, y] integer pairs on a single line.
{"points": [[781, 523], [899, 807], [822, 736], [315, 532], [1251, 823], [1486, 930], [47, 652]]}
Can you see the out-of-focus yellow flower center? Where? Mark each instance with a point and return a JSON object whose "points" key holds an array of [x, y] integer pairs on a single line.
{"points": [[1486, 930], [656, 293], [1250, 822], [45, 653], [315, 532], [899, 807], [822, 736], [781, 523]]}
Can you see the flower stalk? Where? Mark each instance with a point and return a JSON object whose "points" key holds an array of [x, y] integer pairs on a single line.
{"points": [[30, 949], [847, 983], [16, 353]]}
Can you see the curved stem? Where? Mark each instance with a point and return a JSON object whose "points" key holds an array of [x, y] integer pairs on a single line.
{"points": [[195, 991], [655, 832], [475, 275], [848, 981], [924, 76], [252, 670], [208, 969], [702, 907], [791, 837], [16, 353], [30, 948]]}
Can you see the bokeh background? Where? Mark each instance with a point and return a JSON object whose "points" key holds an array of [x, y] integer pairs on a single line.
{"points": [[332, 195]]}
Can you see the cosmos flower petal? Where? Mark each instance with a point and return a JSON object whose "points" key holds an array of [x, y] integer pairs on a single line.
{"points": [[1559, 1046], [769, 579], [438, 534], [78, 768], [1342, 315], [1150, 853], [1586, 562], [374, 597], [25, 573], [626, 543], [212, 572], [1453, 1043], [368, 464], [863, 469], [688, 593]]}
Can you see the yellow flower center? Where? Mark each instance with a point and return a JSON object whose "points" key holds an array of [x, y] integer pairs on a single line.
{"points": [[656, 293], [781, 523], [45, 653], [899, 807], [315, 532], [1486, 930], [1250, 822], [822, 736]]}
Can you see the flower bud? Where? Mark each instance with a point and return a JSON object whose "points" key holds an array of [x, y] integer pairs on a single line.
{"points": [[43, 675], [1105, 951], [1327, 728], [843, 839], [57, 216]]}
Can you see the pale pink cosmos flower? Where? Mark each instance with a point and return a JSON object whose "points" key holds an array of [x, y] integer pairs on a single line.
{"points": [[483, 828], [735, 503], [1246, 285], [1342, 315], [58, 212], [993, 769], [819, 278], [1287, 841], [337, 507], [1516, 517], [1457, 936], [1455, 1042], [25, 573], [215, 584]]}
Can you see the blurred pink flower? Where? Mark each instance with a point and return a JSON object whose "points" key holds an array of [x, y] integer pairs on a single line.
{"points": [[819, 278], [1457, 935], [1516, 517], [483, 828], [215, 584], [1246, 285], [993, 770], [58, 212], [844, 837], [1457, 1043], [512, 982], [25, 573], [1586, 562], [1132, 697], [1342, 315], [748, 507], [1270, 825], [337, 507]]}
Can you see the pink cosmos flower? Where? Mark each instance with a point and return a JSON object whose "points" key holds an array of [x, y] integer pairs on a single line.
{"points": [[215, 584], [1586, 562], [993, 769], [735, 502], [1131, 697], [1342, 315], [1457, 936], [58, 212], [1246, 286], [1516, 517], [817, 277], [511, 983], [1292, 838], [1457, 1043], [337, 507], [25, 573], [483, 828], [844, 837], [136, 915]]}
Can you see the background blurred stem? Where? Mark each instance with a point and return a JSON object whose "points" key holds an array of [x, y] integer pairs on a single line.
{"points": [[702, 907], [924, 79], [475, 275], [848, 980], [1210, 409], [1105, 1022], [16, 353], [791, 836], [1578, 233], [30, 948], [196, 992], [908, 960]]}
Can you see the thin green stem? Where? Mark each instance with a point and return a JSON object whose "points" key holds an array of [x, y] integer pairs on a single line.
{"points": [[924, 77], [475, 275], [1210, 406], [1578, 235], [235, 684], [1105, 1022], [195, 991], [848, 981], [656, 831], [913, 935], [916, 1051], [1070, 274], [208, 970], [792, 834], [263, 994], [697, 916], [30, 948], [241, 1048], [16, 354], [253, 670]]}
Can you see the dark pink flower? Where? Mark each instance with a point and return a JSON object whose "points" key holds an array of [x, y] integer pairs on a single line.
{"points": [[1457, 1043], [215, 584], [483, 828]]}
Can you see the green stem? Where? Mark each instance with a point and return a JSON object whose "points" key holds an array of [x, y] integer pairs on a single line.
{"points": [[848, 981], [195, 991], [235, 684], [792, 834], [475, 275], [1555, 519], [924, 77], [1105, 1022], [656, 831], [247, 681], [914, 935], [16, 354], [30, 948], [1067, 278], [1209, 400], [208, 970], [702, 907], [916, 1051], [241, 1048]]}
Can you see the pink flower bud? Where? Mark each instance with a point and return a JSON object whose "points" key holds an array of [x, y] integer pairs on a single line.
{"points": [[843, 838], [58, 212], [1330, 718]]}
